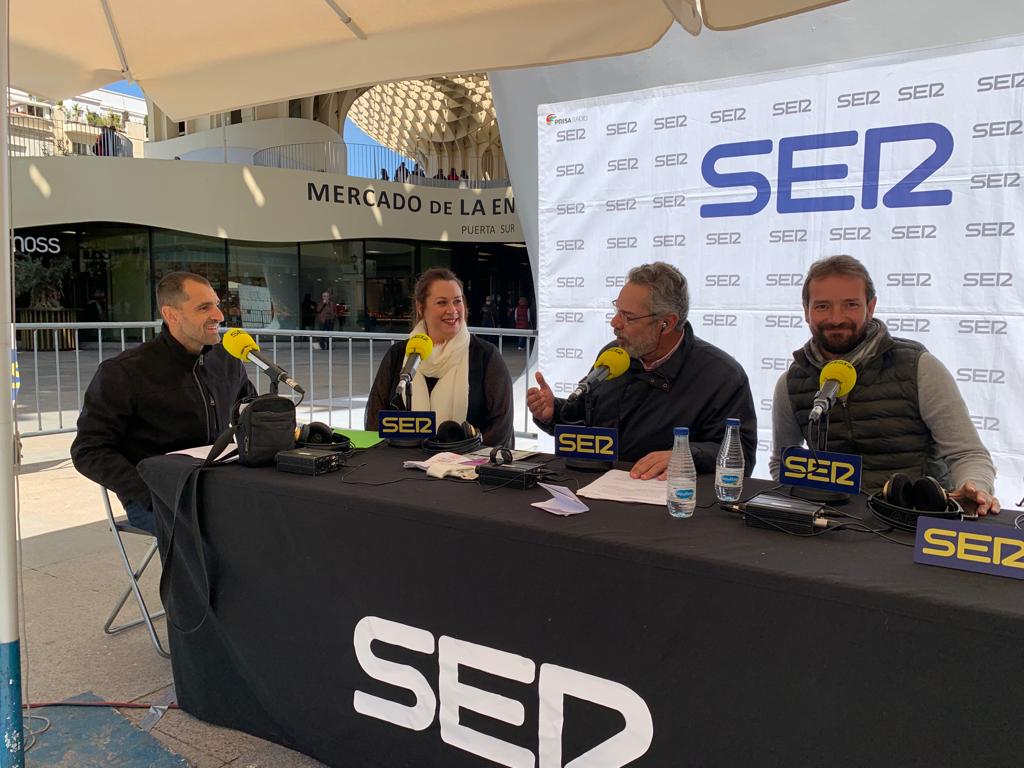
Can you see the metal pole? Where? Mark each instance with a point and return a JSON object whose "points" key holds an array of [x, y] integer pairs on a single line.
{"points": [[12, 746]]}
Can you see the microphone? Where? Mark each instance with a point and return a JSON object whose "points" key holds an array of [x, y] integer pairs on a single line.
{"points": [[611, 363], [240, 344], [417, 349], [836, 380]]}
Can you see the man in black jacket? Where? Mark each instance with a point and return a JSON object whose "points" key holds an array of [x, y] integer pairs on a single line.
{"points": [[674, 380], [173, 392]]}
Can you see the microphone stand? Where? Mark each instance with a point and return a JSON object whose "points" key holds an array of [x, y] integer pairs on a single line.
{"points": [[813, 494], [586, 465]]}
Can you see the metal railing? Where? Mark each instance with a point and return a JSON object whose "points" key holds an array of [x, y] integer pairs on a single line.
{"points": [[337, 378], [32, 136], [370, 161]]}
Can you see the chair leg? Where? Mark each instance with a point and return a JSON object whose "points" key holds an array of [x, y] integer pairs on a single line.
{"points": [[133, 588]]}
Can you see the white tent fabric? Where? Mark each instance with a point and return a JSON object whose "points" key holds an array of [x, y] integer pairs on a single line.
{"points": [[195, 57]]}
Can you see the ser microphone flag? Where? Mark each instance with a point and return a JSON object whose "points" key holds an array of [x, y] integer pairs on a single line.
{"points": [[611, 363], [240, 344], [836, 380], [417, 349]]}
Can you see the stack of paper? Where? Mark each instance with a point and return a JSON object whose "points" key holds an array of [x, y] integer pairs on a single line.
{"points": [[617, 485]]}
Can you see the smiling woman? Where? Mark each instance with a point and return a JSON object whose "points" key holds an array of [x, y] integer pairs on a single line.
{"points": [[463, 379]]}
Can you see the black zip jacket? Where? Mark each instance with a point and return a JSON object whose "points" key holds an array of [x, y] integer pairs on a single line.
{"points": [[699, 387], [148, 401]]}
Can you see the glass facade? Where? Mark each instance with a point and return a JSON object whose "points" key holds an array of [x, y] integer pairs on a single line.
{"points": [[114, 269], [263, 285]]}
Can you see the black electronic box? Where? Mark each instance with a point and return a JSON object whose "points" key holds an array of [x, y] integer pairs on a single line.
{"points": [[310, 461], [513, 474]]}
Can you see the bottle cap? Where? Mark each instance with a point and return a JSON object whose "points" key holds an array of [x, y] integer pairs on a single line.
{"points": [[681, 432], [732, 422]]}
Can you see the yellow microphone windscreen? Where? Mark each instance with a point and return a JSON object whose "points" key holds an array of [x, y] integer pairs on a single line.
{"points": [[239, 344], [615, 360], [419, 344], [841, 371]]}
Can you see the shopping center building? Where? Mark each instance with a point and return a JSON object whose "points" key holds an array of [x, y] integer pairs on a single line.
{"points": [[270, 204]]}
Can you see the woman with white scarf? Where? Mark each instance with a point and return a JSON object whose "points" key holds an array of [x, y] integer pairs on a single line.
{"points": [[463, 379]]}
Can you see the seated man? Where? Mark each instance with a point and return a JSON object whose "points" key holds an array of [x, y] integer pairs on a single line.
{"points": [[674, 380], [173, 392], [904, 414]]}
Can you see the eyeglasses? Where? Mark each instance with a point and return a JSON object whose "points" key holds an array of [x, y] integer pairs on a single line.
{"points": [[629, 319]]}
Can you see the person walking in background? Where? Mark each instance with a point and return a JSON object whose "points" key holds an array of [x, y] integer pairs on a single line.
{"points": [[522, 319], [489, 317], [401, 173], [453, 176], [384, 174], [325, 316]]}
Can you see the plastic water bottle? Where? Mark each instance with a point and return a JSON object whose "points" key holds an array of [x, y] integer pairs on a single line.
{"points": [[729, 467], [682, 476]]}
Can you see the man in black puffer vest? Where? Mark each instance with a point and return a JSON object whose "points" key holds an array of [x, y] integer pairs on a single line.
{"points": [[905, 413], [170, 393]]}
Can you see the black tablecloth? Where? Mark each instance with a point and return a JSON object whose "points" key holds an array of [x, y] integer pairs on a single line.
{"points": [[749, 647]]}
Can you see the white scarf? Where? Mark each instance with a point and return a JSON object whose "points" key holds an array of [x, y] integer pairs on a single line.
{"points": [[449, 364]]}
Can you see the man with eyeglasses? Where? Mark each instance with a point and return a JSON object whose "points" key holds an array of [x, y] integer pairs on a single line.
{"points": [[674, 380]]}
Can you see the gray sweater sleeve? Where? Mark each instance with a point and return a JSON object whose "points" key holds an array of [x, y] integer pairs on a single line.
{"points": [[785, 430], [944, 412]]}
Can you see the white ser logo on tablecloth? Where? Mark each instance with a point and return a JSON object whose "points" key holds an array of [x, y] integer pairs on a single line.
{"points": [[553, 684]]}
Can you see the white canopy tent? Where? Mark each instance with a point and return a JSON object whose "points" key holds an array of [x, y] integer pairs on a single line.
{"points": [[195, 57]]}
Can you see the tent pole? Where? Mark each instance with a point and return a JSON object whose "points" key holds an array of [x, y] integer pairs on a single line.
{"points": [[12, 747]]}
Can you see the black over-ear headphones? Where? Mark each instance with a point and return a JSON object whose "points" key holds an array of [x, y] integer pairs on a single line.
{"points": [[500, 455], [454, 438], [316, 434], [902, 500]]}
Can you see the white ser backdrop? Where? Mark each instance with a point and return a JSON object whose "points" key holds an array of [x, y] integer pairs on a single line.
{"points": [[914, 164]]}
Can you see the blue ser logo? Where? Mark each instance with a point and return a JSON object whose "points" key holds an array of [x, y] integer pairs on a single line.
{"points": [[903, 194]]}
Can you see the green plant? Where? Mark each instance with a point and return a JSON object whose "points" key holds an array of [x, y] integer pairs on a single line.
{"points": [[41, 282]]}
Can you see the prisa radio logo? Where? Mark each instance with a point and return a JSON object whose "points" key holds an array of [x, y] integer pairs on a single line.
{"points": [[552, 119]]}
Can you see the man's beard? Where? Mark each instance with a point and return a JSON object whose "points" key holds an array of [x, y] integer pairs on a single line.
{"points": [[639, 348], [839, 347]]}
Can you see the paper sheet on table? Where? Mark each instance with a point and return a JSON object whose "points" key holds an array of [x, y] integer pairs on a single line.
{"points": [[562, 502], [617, 485], [202, 451]]}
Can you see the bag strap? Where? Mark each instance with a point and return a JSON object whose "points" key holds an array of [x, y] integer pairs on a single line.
{"points": [[187, 492], [222, 442]]}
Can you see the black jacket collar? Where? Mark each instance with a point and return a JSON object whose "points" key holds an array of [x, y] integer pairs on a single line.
{"points": [[175, 347]]}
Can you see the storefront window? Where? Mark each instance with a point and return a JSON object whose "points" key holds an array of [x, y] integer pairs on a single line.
{"points": [[390, 274], [183, 252], [113, 271], [263, 285], [335, 268]]}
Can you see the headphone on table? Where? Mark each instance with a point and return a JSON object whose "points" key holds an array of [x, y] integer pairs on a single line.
{"points": [[454, 438], [316, 434], [902, 500], [500, 455]]}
